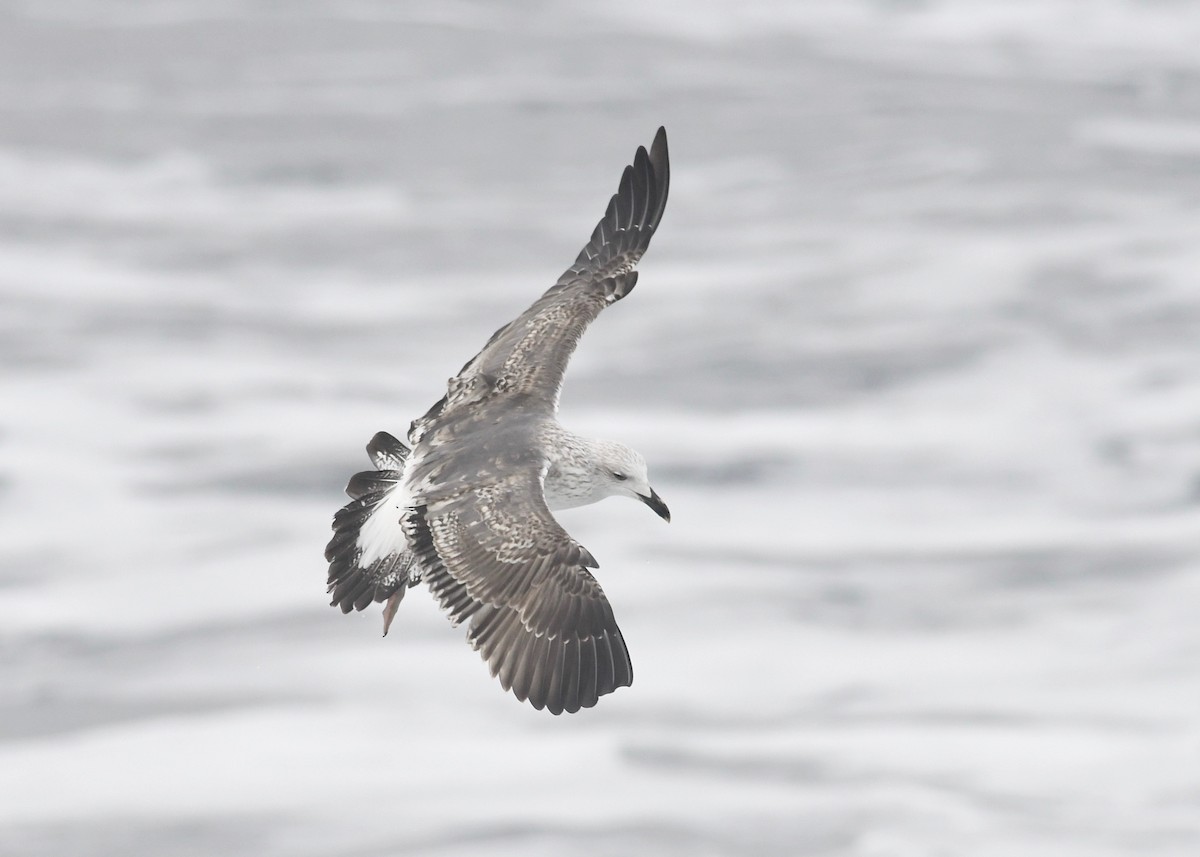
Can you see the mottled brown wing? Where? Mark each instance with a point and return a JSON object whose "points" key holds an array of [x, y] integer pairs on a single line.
{"points": [[529, 355], [494, 555]]}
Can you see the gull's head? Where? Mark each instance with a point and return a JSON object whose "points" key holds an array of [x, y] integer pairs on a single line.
{"points": [[622, 472]]}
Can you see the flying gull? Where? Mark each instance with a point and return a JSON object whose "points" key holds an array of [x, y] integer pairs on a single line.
{"points": [[466, 506]]}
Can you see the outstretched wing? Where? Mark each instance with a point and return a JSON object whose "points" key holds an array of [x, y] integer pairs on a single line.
{"points": [[529, 355], [494, 555], [368, 557]]}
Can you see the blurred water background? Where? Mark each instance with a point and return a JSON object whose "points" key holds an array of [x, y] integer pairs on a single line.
{"points": [[915, 359]]}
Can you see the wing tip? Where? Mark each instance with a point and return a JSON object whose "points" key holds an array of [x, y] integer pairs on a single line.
{"points": [[554, 674], [631, 218]]}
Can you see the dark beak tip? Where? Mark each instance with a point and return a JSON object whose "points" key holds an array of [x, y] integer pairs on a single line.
{"points": [[656, 503]]}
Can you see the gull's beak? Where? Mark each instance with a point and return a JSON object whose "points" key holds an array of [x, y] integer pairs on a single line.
{"points": [[655, 502]]}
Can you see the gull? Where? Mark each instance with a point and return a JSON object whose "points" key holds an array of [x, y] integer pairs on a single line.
{"points": [[466, 506]]}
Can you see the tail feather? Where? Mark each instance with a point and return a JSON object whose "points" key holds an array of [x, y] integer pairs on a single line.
{"points": [[386, 452], [369, 561]]}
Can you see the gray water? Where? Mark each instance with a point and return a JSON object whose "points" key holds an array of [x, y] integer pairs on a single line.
{"points": [[915, 360]]}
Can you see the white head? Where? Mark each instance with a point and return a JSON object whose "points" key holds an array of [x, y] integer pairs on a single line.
{"points": [[621, 471]]}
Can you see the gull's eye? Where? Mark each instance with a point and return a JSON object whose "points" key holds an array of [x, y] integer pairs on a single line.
{"points": [[620, 477]]}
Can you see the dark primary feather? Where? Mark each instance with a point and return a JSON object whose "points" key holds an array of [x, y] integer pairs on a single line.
{"points": [[623, 234], [352, 585]]}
